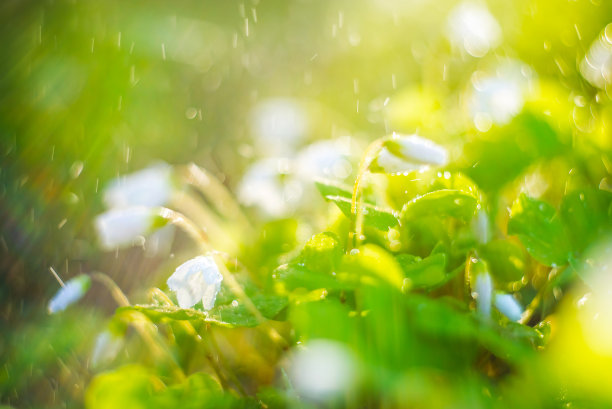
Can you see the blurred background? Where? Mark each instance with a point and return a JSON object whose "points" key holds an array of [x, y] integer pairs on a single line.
{"points": [[92, 90]]}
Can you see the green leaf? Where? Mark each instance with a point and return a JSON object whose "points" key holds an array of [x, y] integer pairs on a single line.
{"points": [[442, 320], [373, 261], [442, 203], [134, 386], [332, 188], [504, 153], [506, 260], [322, 253], [585, 213], [424, 273], [373, 216], [130, 386], [539, 228], [327, 318], [229, 315], [294, 276], [403, 188]]}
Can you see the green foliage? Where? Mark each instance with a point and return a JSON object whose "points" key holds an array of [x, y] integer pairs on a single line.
{"points": [[95, 90], [441, 203], [505, 153], [373, 216], [506, 259], [232, 315], [539, 227], [133, 386], [322, 253], [587, 216], [424, 273]]}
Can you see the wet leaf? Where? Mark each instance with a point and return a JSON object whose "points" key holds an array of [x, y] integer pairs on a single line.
{"points": [[376, 262], [229, 315], [424, 273], [506, 260], [373, 216], [441, 203], [539, 228], [585, 213]]}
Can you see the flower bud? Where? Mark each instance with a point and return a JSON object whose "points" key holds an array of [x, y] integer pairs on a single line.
{"points": [[507, 305], [106, 348], [125, 227], [151, 187], [402, 153], [195, 280], [70, 293]]}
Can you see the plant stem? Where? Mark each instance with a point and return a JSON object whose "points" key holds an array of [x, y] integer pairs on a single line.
{"points": [[232, 375], [155, 344], [216, 193], [118, 295], [357, 198]]}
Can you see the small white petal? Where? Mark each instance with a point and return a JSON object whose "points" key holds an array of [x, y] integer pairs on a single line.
{"points": [[159, 242], [405, 153], [322, 370], [420, 150], [124, 227], [480, 227], [106, 348], [389, 163], [70, 293], [196, 280], [264, 186], [483, 294], [324, 159], [148, 187], [279, 125], [507, 305]]}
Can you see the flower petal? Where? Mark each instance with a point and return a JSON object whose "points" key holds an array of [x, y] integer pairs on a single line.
{"points": [[195, 280], [70, 293]]}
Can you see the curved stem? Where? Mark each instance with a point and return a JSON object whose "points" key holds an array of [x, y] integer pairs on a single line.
{"points": [[216, 192], [118, 295], [150, 336], [232, 375], [156, 293], [357, 198]]}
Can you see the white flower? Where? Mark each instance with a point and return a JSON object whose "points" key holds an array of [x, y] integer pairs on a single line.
{"points": [[70, 293], [196, 280], [596, 66], [159, 242], [480, 227], [325, 159], [269, 186], [483, 293], [507, 305], [106, 348], [405, 153], [322, 370], [151, 187], [472, 27], [279, 125], [499, 97], [126, 226]]}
